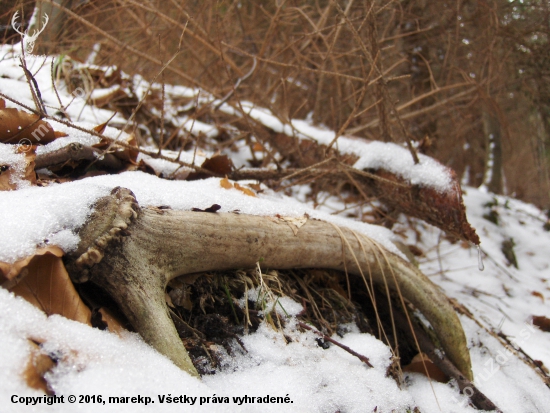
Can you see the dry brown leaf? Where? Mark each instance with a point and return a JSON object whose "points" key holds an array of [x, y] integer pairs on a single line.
{"points": [[224, 183], [11, 174], [537, 294], [114, 325], [17, 125], [9, 272], [101, 128], [6, 178], [47, 286], [542, 322], [30, 156], [219, 164], [38, 365], [244, 190], [420, 363], [123, 153]]}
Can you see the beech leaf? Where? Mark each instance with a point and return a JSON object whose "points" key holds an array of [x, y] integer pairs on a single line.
{"points": [[17, 125], [47, 286], [37, 366]]}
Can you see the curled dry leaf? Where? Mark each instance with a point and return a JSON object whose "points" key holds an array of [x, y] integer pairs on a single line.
{"points": [[226, 184], [37, 366], [19, 172], [11, 274], [420, 363], [46, 285], [17, 125]]}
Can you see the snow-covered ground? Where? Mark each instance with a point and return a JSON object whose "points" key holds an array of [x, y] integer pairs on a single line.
{"points": [[303, 376]]}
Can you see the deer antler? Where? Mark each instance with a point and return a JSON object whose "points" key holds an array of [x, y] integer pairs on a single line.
{"points": [[29, 39], [133, 252]]}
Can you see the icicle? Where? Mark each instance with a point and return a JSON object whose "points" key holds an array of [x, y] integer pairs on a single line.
{"points": [[480, 265]]}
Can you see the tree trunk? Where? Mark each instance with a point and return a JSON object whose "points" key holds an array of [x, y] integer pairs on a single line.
{"points": [[493, 163]]}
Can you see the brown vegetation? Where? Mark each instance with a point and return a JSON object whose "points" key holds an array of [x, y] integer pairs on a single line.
{"points": [[443, 75]]}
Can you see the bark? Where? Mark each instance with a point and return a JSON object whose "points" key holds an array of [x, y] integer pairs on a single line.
{"points": [[133, 252], [493, 163], [53, 30]]}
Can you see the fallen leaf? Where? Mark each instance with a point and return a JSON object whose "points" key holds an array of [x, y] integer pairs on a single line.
{"points": [[219, 164], [101, 128], [420, 363], [17, 125], [103, 318], [6, 178], [542, 323], [244, 190], [47, 286], [224, 183], [123, 153], [14, 174], [37, 366], [9, 272]]}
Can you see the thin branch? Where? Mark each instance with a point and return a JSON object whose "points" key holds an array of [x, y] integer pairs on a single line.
{"points": [[364, 359]]}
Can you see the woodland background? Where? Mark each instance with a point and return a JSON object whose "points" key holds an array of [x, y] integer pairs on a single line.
{"points": [[466, 82]]}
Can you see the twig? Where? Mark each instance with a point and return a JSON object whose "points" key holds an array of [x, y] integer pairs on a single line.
{"points": [[421, 111], [336, 343], [61, 107], [237, 84]]}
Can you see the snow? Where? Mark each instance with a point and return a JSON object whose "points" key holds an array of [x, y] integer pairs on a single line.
{"points": [[59, 210], [94, 362], [16, 162], [372, 154]]}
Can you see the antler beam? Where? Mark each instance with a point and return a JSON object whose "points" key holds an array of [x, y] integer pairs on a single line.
{"points": [[133, 252]]}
